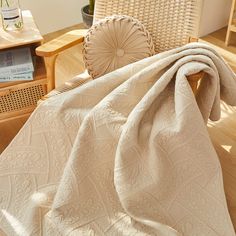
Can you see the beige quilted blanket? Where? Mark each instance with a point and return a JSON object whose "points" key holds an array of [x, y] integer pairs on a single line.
{"points": [[126, 154]]}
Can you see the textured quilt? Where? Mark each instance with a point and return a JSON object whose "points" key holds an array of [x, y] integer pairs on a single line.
{"points": [[125, 154]]}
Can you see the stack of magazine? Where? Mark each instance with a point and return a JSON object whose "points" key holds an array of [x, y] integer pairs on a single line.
{"points": [[16, 64]]}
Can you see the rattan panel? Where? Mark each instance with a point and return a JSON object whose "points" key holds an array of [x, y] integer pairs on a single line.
{"points": [[21, 98], [170, 22]]}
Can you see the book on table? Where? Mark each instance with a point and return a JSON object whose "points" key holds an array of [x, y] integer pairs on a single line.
{"points": [[16, 64]]}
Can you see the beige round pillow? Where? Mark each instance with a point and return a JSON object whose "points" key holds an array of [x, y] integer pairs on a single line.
{"points": [[115, 42]]}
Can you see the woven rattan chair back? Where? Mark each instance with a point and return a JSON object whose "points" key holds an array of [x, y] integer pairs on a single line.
{"points": [[170, 22]]}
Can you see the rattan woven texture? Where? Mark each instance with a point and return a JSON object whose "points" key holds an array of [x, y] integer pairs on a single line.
{"points": [[170, 22], [21, 98]]}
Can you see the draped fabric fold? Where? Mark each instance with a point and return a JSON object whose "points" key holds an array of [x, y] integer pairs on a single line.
{"points": [[125, 154]]}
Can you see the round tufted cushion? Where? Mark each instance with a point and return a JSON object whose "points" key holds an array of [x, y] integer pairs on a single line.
{"points": [[115, 42]]}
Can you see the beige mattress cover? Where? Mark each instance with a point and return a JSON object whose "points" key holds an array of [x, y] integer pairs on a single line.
{"points": [[125, 154]]}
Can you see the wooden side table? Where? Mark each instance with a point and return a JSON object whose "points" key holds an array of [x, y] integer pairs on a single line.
{"points": [[19, 98]]}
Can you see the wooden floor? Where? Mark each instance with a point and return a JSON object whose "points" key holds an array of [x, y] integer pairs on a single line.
{"points": [[217, 41]]}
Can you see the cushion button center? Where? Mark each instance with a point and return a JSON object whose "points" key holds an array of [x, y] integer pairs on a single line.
{"points": [[120, 52]]}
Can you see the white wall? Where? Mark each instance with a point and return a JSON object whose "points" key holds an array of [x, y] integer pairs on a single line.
{"points": [[53, 15], [215, 15]]}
